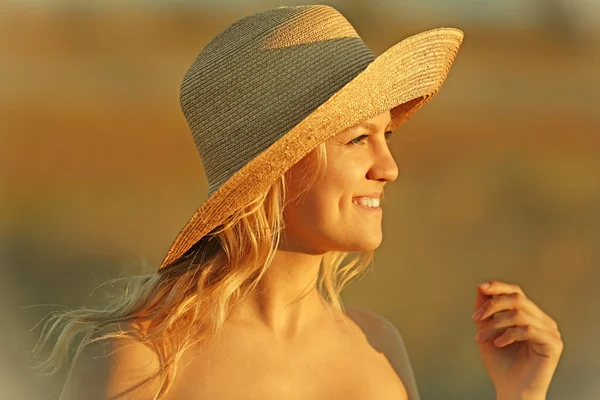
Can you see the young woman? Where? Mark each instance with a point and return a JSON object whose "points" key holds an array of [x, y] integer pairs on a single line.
{"points": [[290, 112]]}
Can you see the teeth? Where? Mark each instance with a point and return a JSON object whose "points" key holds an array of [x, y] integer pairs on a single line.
{"points": [[367, 202]]}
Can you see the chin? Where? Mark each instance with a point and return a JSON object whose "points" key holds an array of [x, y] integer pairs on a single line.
{"points": [[365, 245], [371, 245]]}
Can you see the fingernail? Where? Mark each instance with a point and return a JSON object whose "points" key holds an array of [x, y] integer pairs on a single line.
{"points": [[484, 285], [477, 314]]}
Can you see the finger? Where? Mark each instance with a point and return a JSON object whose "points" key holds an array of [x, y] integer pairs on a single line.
{"points": [[504, 302], [497, 289], [511, 318], [541, 342], [482, 297], [487, 335], [496, 325]]}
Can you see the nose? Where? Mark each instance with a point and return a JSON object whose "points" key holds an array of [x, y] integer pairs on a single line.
{"points": [[384, 167]]}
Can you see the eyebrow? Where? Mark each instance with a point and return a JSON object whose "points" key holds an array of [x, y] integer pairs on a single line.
{"points": [[370, 126]]}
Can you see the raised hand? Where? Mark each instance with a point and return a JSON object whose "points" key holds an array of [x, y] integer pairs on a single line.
{"points": [[520, 344]]}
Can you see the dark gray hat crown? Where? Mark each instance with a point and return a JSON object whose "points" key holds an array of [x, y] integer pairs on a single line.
{"points": [[260, 77]]}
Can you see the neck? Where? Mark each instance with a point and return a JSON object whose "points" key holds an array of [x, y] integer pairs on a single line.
{"points": [[286, 301]]}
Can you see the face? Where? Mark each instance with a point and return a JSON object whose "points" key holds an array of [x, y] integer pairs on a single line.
{"points": [[326, 218]]}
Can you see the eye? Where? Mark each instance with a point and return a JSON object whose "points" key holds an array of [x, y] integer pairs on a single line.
{"points": [[361, 137], [357, 140]]}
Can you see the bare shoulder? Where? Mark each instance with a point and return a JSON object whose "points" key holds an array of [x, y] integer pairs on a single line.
{"points": [[384, 337], [112, 369]]}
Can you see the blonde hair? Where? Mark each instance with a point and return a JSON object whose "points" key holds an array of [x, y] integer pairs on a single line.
{"points": [[189, 300]]}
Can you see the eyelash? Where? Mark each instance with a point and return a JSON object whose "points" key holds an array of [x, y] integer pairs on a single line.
{"points": [[355, 141]]}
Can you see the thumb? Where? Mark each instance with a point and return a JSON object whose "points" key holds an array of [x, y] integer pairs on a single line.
{"points": [[481, 298]]}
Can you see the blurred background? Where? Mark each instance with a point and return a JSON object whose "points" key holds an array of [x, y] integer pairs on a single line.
{"points": [[499, 175]]}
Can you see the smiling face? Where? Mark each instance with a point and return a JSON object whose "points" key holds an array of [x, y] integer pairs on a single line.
{"points": [[327, 217]]}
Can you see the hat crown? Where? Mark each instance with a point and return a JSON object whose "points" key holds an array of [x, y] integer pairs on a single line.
{"points": [[262, 75]]}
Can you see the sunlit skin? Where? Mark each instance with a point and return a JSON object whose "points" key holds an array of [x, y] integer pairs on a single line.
{"points": [[521, 344], [324, 219]]}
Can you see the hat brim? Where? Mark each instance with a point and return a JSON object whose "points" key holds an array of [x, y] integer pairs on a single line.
{"points": [[402, 79]]}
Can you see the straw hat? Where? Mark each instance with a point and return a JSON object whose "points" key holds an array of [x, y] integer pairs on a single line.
{"points": [[272, 86]]}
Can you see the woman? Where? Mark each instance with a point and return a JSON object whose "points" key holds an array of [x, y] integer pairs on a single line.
{"points": [[290, 112]]}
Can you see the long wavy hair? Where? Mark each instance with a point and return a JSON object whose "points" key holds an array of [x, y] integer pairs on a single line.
{"points": [[187, 302]]}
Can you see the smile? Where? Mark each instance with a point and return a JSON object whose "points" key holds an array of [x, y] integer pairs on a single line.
{"points": [[367, 204]]}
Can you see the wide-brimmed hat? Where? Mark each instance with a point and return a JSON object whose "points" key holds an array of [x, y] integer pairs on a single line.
{"points": [[272, 86]]}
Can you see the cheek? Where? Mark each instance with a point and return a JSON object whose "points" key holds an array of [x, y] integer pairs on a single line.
{"points": [[333, 194], [316, 211], [329, 199], [320, 204]]}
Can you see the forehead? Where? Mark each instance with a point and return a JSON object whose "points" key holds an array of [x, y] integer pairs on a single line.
{"points": [[369, 125]]}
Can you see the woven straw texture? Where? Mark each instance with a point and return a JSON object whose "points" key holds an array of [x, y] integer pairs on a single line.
{"points": [[272, 86]]}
